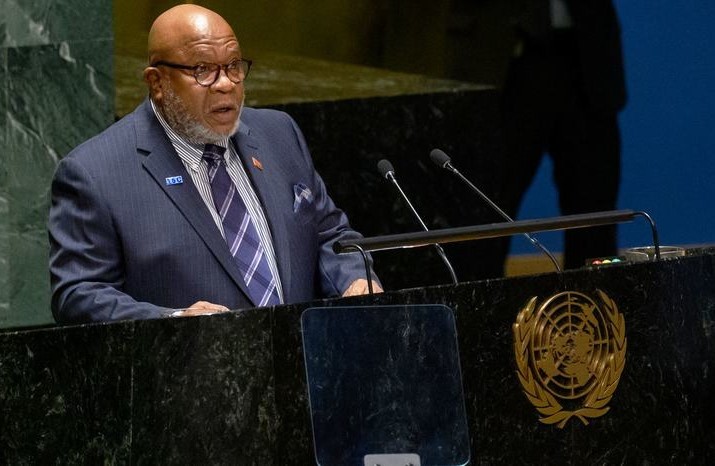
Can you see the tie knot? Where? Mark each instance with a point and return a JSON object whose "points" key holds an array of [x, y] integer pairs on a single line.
{"points": [[213, 153]]}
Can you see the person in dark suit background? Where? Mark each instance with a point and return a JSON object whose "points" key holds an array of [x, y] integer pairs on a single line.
{"points": [[559, 65], [193, 204]]}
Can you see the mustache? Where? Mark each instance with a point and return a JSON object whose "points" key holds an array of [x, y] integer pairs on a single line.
{"points": [[177, 114]]}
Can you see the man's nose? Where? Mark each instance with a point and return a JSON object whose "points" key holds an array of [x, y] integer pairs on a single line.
{"points": [[223, 83]]}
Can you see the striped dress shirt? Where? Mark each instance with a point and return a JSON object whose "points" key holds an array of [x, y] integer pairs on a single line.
{"points": [[191, 156]]}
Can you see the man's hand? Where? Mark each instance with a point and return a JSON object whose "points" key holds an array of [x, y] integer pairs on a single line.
{"points": [[201, 308], [359, 287]]}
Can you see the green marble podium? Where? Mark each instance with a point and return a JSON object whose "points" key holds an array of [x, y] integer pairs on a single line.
{"points": [[231, 388]]}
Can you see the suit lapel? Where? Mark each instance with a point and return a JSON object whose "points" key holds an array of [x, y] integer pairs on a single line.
{"points": [[162, 162], [265, 181]]}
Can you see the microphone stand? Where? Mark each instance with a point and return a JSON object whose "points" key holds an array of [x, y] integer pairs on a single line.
{"points": [[366, 261], [387, 171], [443, 160], [528, 236]]}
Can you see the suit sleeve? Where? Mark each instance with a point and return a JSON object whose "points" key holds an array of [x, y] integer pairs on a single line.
{"points": [[336, 272], [86, 260]]}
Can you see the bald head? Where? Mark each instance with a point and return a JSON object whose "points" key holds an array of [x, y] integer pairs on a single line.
{"points": [[183, 40], [176, 30]]}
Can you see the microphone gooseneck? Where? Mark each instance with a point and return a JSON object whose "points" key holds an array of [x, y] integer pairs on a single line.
{"points": [[387, 171], [443, 160]]}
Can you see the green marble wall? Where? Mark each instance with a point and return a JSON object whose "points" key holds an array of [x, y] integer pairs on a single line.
{"points": [[55, 91]]}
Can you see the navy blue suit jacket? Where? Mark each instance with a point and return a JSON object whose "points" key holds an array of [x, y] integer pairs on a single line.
{"points": [[125, 243]]}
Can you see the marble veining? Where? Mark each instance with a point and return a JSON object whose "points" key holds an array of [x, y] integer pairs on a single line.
{"points": [[55, 92], [232, 388], [44, 22]]}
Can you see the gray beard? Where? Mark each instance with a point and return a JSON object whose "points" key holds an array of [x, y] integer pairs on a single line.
{"points": [[185, 125]]}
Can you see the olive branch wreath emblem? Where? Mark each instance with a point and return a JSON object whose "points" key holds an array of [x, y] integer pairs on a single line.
{"points": [[607, 370]]}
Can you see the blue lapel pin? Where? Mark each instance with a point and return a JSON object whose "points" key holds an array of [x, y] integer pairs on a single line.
{"points": [[172, 180]]}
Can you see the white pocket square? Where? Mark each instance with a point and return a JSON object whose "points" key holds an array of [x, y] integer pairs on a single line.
{"points": [[302, 194]]}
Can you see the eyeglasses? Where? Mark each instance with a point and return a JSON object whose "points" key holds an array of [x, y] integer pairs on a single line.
{"points": [[207, 73]]}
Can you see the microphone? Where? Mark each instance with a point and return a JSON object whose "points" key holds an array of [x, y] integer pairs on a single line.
{"points": [[443, 160], [387, 171]]}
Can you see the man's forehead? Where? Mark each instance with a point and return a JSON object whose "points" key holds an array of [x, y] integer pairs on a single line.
{"points": [[209, 42], [211, 45], [188, 29]]}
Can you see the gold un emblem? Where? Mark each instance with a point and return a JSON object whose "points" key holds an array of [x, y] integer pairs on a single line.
{"points": [[570, 354]]}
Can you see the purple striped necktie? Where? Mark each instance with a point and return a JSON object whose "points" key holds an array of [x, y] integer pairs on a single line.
{"points": [[241, 234]]}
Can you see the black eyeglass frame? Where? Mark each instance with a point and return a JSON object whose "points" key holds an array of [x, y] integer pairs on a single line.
{"points": [[195, 69]]}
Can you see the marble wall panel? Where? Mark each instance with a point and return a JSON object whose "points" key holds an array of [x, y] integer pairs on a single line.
{"points": [[56, 96], [55, 91], [294, 429], [43, 22], [4, 206], [65, 396], [204, 390]]}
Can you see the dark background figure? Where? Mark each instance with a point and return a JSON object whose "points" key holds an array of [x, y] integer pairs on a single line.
{"points": [[560, 66]]}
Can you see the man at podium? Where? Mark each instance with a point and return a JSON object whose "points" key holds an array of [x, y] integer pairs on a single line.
{"points": [[193, 203]]}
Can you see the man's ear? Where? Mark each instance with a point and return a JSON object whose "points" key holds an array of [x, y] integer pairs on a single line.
{"points": [[152, 77]]}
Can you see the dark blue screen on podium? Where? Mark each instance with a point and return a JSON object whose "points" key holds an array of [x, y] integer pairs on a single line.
{"points": [[385, 380]]}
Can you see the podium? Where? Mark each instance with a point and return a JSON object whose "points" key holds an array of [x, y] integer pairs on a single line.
{"points": [[232, 388]]}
